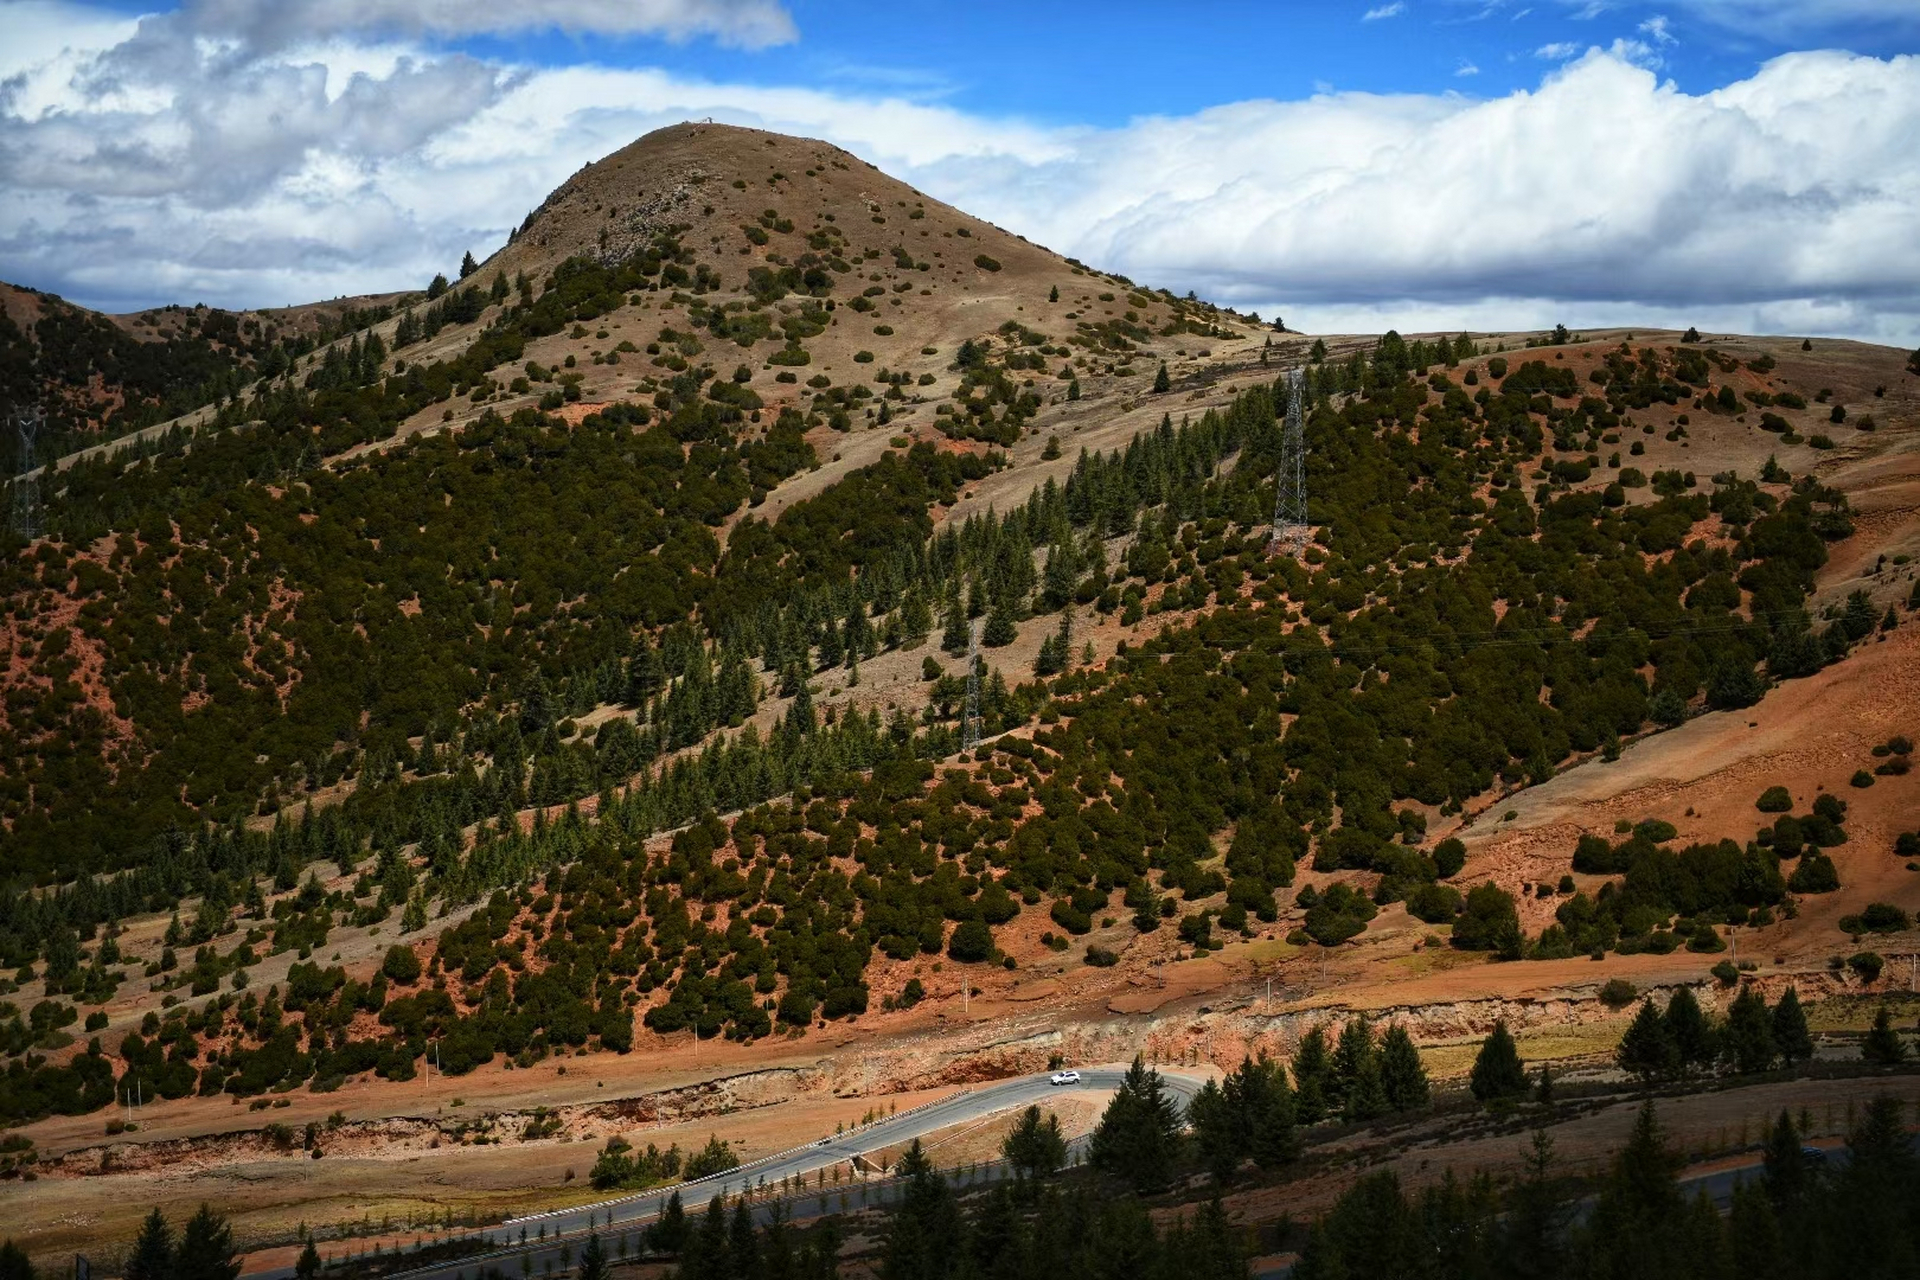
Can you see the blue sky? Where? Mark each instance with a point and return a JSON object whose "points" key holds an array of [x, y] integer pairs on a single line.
{"points": [[1000, 57], [1740, 164]]}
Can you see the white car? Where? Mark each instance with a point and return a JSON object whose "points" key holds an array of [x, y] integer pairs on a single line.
{"points": [[1064, 1077]]}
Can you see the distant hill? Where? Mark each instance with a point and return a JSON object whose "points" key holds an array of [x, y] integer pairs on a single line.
{"points": [[605, 615], [98, 376]]}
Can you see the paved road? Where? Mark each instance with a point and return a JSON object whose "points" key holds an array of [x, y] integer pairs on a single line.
{"points": [[565, 1229]]}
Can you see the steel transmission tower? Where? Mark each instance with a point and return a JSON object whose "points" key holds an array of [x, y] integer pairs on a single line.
{"points": [[970, 718], [26, 482], [1290, 528]]}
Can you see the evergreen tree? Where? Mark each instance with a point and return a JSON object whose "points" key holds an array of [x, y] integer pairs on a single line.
{"points": [[206, 1249], [1695, 1041], [1312, 1073], [925, 1236], [467, 265], [1748, 1038], [1263, 1106], [1642, 1227], [1758, 1246], [956, 638], [1401, 1072], [593, 1259], [1787, 1173], [1035, 1148], [1883, 1044], [743, 1243], [999, 631], [1219, 1131], [1073, 388], [1646, 1050], [1138, 1136], [1053, 294], [1161, 382], [14, 1263], [1367, 1095], [668, 1234], [152, 1256], [1351, 1053], [1533, 1244], [308, 1265], [1498, 1074], [1790, 1035]]}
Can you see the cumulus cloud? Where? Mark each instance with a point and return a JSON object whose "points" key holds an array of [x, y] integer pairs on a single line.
{"points": [[1785, 201]]}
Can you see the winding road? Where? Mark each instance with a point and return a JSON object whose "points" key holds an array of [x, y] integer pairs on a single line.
{"points": [[553, 1238]]}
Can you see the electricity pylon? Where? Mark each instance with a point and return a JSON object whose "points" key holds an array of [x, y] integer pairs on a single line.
{"points": [[26, 482], [1290, 528]]}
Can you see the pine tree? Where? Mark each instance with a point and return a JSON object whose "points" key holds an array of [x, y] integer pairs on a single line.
{"points": [[1883, 1045], [1367, 1095], [593, 1260], [1138, 1136], [1401, 1072], [1312, 1072], [467, 265], [1533, 1245], [1053, 294], [1748, 1038], [743, 1243], [1790, 1035], [668, 1234], [1759, 1248], [1263, 1107], [1498, 1074], [206, 1249], [1073, 388], [152, 1256], [925, 1239], [14, 1263], [1351, 1053], [999, 631], [956, 638], [1638, 1227], [1646, 1050], [1694, 1039], [1035, 1148], [308, 1266], [1788, 1175], [1161, 382], [1219, 1131]]}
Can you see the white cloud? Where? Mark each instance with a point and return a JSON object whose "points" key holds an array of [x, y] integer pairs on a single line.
{"points": [[1784, 201], [278, 23], [1466, 68], [1775, 19], [1659, 30], [1393, 10], [1558, 51]]}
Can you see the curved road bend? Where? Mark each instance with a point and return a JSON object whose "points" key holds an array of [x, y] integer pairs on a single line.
{"points": [[567, 1228]]}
